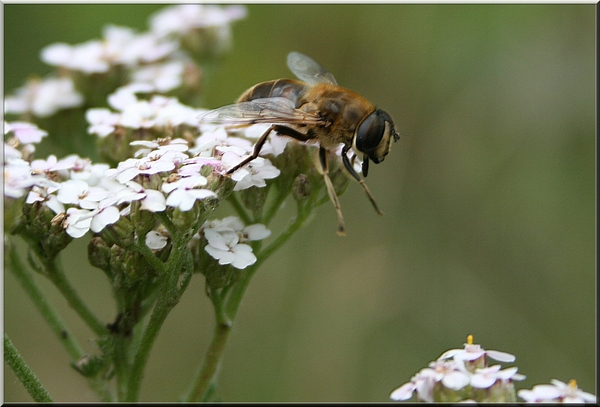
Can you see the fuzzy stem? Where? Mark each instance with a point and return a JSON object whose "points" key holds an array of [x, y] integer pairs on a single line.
{"points": [[208, 372], [168, 297], [225, 313], [234, 201], [44, 308], [52, 318], [58, 278], [18, 365]]}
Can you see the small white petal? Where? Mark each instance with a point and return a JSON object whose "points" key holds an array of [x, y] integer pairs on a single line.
{"points": [[257, 232], [154, 202], [403, 392], [243, 256], [500, 356], [155, 240], [106, 216], [482, 381], [180, 199], [455, 380]]}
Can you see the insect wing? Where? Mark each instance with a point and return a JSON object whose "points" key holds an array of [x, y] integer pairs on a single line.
{"points": [[308, 70], [265, 110]]}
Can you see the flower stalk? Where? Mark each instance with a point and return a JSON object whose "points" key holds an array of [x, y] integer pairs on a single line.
{"points": [[33, 386]]}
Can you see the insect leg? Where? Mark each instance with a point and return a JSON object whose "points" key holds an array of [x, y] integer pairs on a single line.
{"points": [[282, 130], [257, 147], [331, 191], [295, 134], [350, 169]]}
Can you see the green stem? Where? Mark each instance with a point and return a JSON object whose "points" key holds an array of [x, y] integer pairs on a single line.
{"points": [[275, 204], [18, 365], [150, 257], [225, 313], [210, 366], [58, 278], [238, 290], [52, 318], [234, 201], [166, 221], [122, 365], [161, 310], [167, 299]]}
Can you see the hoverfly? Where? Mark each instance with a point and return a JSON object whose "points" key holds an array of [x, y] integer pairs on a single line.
{"points": [[314, 108]]}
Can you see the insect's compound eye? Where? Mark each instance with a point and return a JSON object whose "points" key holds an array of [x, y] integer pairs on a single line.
{"points": [[369, 135]]}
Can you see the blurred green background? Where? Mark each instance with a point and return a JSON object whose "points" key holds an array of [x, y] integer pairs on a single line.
{"points": [[489, 198]]}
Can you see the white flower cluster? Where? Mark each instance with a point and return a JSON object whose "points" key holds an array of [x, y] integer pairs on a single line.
{"points": [[18, 175], [43, 97], [153, 58], [451, 372], [92, 196], [557, 392], [165, 171], [188, 20], [182, 19], [226, 241], [213, 147], [118, 46], [133, 113]]}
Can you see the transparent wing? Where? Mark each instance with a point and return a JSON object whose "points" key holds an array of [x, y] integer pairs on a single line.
{"points": [[267, 110], [308, 70]]}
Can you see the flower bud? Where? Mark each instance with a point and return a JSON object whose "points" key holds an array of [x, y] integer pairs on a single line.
{"points": [[40, 227], [301, 189], [99, 255], [90, 366], [219, 184], [219, 276], [120, 233], [254, 199]]}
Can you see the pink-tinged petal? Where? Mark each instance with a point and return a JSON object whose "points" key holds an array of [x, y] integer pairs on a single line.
{"points": [[500, 356], [507, 373], [546, 391], [455, 380], [403, 392], [425, 389], [450, 353], [483, 381], [469, 356]]}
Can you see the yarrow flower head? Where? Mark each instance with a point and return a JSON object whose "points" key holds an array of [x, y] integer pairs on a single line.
{"points": [[453, 378], [119, 46], [25, 133], [557, 392], [43, 97], [475, 355], [148, 207], [202, 29], [227, 241]]}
